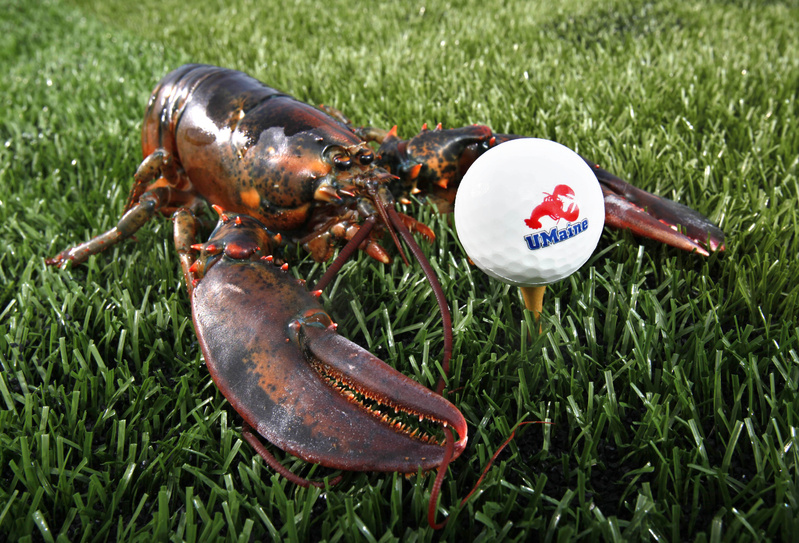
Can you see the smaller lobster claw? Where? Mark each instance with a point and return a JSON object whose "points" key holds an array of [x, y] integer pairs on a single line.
{"points": [[654, 217], [434, 162]]}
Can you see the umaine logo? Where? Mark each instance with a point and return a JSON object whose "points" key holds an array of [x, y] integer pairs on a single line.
{"points": [[560, 205]]}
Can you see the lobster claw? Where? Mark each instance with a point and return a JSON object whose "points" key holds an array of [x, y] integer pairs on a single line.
{"points": [[436, 161], [654, 217], [273, 352]]}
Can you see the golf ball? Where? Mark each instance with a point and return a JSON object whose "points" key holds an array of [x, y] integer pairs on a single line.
{"points": [[529, 212]]}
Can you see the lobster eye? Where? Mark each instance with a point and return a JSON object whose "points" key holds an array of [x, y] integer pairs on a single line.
{"points": [[366, 158], [342, 162]]}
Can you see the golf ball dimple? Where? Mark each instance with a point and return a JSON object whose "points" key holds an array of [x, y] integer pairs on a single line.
{"points": [[529, 212]]}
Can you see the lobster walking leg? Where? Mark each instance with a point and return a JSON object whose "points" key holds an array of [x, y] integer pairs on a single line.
{"points": [[184, 228], [157, 164], [142, 205], [147, 206]]}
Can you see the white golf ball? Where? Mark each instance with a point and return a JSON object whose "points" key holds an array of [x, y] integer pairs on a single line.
{"points": [[529, 212]]}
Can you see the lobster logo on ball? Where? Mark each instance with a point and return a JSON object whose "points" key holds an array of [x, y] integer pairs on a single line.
{"points": [[560, 205]]}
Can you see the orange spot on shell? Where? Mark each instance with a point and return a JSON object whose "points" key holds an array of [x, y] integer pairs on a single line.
{"points": [[251, 198]]}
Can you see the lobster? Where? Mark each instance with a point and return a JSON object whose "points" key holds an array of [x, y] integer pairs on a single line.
{"points": [[280, 174]]}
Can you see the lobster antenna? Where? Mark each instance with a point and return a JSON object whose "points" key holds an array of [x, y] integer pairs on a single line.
{"points": [[382, 211], [442, 471], [438, 292], [268, 457]]}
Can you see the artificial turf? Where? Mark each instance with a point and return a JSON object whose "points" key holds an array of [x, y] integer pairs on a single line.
{"points": [[670, 379]]}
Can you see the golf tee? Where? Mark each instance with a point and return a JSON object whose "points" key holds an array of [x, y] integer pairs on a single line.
{"points": [[534, 299]]}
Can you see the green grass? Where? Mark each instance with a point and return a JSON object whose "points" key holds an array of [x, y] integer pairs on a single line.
{"points": [[671, 380]]}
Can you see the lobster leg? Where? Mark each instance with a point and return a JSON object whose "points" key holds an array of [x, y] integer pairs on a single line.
{"points": [[184, 235], [142, 205], [274, 354], [148, 205], [157, 164]]}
